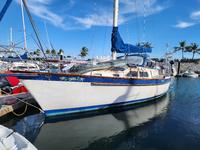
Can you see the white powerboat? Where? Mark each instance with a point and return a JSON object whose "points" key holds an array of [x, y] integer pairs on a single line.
{"points": [[190, 74]]}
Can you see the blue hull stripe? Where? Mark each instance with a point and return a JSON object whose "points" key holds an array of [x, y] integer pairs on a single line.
{"points": [[57, 112], [92, 79]]}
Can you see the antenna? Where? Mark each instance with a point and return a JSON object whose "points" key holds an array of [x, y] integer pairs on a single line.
{"points": [[11, 36], [167, 47]]}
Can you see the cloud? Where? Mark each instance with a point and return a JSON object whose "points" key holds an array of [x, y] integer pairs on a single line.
{"points": [[183, 24], [98, 19], [129, 9], [41, 8], [141, 7], [98, 15], [195, 15], [94, 20]]}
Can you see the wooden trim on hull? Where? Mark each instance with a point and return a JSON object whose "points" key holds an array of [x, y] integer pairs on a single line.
{"points": [[118, 84]]}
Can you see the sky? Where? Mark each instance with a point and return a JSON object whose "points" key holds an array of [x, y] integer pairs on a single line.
{"points": [[72, 24]]}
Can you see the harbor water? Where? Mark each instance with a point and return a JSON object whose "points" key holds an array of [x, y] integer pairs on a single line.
{"points": [[170, 122]]}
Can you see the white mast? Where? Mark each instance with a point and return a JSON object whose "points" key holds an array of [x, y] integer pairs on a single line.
{"points": [[116, 13], [11, 41], [11, 37], [115, 22], [24, 26]]}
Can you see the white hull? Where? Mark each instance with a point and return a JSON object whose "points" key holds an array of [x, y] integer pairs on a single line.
{"points": [[191, 75], [70, 97]]}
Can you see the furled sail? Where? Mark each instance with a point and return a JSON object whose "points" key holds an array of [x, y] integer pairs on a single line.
{"points": [[119, 46]]}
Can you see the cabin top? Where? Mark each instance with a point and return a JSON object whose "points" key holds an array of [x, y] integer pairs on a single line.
{"points": [[128, 72]]}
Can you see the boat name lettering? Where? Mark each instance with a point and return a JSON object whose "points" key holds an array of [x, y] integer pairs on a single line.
{"points": [[71, 78]]}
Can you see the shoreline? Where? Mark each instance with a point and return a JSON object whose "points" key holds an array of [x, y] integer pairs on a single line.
{"points": [[184, 66]]}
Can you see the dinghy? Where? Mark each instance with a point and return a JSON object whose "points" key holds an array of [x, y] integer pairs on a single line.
{"points": [[10, 140]]}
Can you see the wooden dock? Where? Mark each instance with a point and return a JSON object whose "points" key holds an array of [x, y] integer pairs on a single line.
{"points": [[6, 109]]}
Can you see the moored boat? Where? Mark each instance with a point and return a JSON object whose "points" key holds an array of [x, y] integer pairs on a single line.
{"points": [[123, 81], [24, 66], [13, 141], [67, 93], [190, 74]]}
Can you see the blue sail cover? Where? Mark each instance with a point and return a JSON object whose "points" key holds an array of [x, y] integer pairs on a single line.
{"points": [[4, 9], [119, 46], [24, 56]]}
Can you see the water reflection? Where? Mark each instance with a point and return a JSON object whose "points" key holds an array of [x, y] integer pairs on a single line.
{"points": [[28, 126], [85, 132]]}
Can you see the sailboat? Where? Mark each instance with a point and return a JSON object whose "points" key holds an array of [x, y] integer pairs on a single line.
{"points": [[122, 81]]}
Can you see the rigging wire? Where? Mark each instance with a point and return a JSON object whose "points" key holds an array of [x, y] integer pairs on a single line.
{"points": [[36, 33], [92, 41], [104, 40], [93, 28], [128, 34], [34, 28], [137, 23], [23, 101], [144, 20], [47, 35]]}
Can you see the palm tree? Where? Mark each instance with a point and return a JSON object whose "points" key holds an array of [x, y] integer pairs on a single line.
{"points": [[194, 49], [144, 44], [147, 45], [60, 52], [37, 52], [181, 47], [48, 51], [84, 52], [53, 52]]}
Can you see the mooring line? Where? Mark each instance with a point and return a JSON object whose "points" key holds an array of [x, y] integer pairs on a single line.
{"points": [[23, 101]]}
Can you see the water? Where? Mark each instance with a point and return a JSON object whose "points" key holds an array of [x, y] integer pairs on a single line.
{"points": [[172, 122]]}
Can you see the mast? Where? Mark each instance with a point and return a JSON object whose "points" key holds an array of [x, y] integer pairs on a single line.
{"points": [[11, 36], [24, 26], [115, 22], [115, 13], [11, 41]]}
